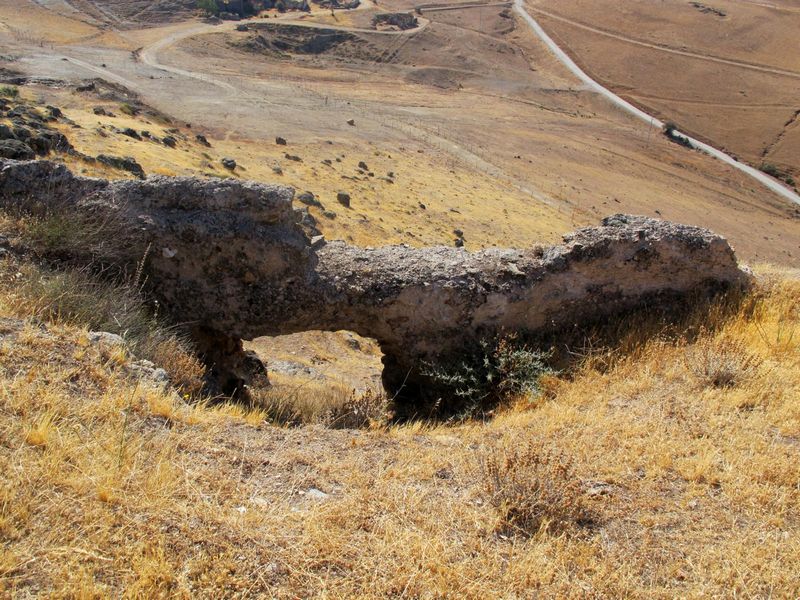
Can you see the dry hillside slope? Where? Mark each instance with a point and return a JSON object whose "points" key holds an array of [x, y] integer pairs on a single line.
{"points": [[726, 71], [663, 466]]}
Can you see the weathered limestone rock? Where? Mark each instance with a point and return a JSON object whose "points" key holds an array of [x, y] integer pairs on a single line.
{"points": [[233, 259]]}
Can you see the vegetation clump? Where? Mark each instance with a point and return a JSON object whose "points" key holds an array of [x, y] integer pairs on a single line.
{"points": [[8, 91], [497, 371], [671, 131], [533, 488], [778, 173]]}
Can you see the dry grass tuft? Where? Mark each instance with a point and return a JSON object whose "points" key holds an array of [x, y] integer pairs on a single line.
{"points": [[358, 411], [41, 433], [186, 371], [113, 488], [533, 488], [336, 406], [722, 362]]}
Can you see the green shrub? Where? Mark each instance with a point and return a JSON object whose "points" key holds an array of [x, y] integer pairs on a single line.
{"points": [[8, 91], [210, 6], [494, 372]]}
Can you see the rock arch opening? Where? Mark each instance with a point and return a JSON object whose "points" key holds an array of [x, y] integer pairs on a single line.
{"points": [[235, 260]]}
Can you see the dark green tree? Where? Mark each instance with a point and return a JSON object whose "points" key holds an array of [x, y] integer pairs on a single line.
{"points": [[210, 6]]}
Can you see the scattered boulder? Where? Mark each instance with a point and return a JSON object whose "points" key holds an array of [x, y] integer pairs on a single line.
{"points": [[351, 122], [363, 166], [309, 199], [123, 163], [104, 338], [130, 132], [201, 139], [169, 141], [147, 372], [15, 149], [229, 163], [280, 141], [292, 157], [343, 198]]}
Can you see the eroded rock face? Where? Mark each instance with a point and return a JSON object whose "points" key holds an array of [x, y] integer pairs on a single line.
{"points": [[237, 261]]}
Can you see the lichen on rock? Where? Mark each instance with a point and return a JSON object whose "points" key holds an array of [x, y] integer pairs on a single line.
{"points": [[235, 260]]}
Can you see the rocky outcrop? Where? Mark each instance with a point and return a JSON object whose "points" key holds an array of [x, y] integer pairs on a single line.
{"points": [[394, 21], [235, 261], [27, 134]]}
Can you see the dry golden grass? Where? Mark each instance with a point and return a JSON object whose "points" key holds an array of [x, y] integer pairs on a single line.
{"points": [[114, 488]]}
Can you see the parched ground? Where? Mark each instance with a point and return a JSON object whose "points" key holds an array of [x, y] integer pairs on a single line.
{"points": [[484, 131], [726, 71], [663, 467]]}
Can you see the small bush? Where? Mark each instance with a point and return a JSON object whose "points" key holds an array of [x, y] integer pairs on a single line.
{"points": [[670, 128], [532, 488], [722, 362], [771, 169], [209, 6], [8, 91], [671, 131], [777, 173], [497, 371]]}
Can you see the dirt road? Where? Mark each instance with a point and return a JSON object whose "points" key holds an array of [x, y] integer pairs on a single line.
{"points": [[564, 58]]}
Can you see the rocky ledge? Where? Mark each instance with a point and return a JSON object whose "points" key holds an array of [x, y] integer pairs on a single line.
{"points": [[235, 260]]}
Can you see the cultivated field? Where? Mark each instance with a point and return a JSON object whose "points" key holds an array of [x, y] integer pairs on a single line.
{"points": [[727, 71]]}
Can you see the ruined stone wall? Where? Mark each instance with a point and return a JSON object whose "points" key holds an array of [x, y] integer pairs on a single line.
{"points": [[237, 261]]}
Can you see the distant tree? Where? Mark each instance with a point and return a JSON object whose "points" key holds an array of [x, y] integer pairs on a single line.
{"points": [[670, 128], [210, 6]]}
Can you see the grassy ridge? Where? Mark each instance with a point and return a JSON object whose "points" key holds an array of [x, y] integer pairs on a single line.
{"points": [[660, 468]]}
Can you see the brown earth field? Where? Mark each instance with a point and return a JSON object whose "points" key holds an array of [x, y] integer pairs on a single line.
{"points": [[727, 71], [663, 465], [483, 129]]}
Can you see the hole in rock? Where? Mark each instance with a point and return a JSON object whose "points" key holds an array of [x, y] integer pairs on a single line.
{"points": [[315, 372]]}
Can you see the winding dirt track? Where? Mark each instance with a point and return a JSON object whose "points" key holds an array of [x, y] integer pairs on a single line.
{"points": [[149, 54], [564, 58]]}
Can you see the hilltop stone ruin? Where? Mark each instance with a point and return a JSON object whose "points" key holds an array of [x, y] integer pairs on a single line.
{"points": [[235, 260]]}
